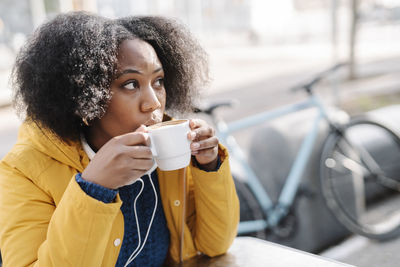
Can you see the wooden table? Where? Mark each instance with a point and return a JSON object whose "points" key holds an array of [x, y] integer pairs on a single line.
{"points": [[249, 251]]}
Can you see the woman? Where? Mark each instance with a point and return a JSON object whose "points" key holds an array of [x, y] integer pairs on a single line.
{"points": [[69, 194]]}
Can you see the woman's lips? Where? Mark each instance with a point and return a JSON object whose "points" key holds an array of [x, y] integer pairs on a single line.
{"points": [[155, 117], [151, 122]]}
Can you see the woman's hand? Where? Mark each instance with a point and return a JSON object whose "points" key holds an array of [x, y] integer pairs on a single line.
{"points": [[204, 144], [121, 161]]}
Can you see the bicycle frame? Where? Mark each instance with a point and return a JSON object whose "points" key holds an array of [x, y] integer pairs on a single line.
{"points": [[273, 212]]}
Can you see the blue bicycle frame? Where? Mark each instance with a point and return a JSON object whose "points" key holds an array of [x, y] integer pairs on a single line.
{"points": [[273, 212]]}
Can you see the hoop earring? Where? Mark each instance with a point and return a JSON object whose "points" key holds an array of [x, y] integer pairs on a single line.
{"points": [[85, 121]]}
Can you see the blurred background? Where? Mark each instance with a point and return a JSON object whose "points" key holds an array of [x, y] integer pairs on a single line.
{"points": [[248, 40], [258, 50]]}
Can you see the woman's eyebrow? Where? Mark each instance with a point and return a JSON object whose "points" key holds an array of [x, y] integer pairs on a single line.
{"points": [[128, 71], [158, 70]]}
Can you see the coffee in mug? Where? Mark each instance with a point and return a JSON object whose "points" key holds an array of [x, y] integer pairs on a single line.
{"points": [[170, 145]]}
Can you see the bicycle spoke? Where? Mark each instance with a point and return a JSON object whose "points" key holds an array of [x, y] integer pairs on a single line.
{"points": [[348, 163], [360, 196], [389, 182], [373, 167], [356, 171], [363, 155], [346, 148]]}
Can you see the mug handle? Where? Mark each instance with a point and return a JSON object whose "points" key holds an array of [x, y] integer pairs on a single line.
{"points": [[152, 147]]}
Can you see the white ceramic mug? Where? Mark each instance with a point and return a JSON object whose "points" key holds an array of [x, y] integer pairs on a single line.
{"points": [[170, 145]]}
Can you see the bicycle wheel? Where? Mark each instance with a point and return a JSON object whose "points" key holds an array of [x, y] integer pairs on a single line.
{"points": [[249, 208], [360, 178]]}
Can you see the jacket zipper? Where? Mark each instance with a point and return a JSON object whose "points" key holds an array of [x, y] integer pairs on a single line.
{"points": [[183, 213]]}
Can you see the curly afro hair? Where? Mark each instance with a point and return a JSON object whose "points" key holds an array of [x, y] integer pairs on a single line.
{"points": [[184, 61], [64, 72]]}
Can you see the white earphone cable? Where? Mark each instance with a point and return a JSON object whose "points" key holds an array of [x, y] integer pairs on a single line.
{"points": [[136, 252], [139, 248], [137, 222]]}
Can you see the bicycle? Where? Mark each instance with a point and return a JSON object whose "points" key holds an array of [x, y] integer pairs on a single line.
{"points": [[355, 178]]}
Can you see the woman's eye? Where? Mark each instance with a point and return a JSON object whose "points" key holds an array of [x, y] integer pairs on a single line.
{"points": [[159, 82], [131, 85]]}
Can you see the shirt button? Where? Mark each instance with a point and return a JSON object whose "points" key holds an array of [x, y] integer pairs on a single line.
{"points": [[117, 242], [177, 203]]}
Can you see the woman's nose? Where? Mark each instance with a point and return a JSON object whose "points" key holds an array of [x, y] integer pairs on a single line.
{"points": [[150, 100]]}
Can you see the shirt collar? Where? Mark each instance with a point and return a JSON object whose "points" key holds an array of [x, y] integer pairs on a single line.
{"points": [[88, 150]]}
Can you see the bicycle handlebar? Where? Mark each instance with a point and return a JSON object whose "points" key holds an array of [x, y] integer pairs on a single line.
{"points": [[308, 87], [209, 109]]}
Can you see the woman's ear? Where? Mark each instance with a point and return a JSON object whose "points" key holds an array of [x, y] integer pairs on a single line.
{"points": [[84, 119]]}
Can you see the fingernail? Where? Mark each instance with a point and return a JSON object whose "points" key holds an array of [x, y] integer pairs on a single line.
{"points": [[192, 135]]}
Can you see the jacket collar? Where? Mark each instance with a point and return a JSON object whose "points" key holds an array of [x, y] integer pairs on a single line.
{"points": [[43, 140]]}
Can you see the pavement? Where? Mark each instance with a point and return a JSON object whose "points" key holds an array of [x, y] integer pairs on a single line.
{"points": [[363, 252], [235, 72]]}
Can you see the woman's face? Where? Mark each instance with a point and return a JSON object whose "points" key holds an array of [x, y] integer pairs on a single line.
{"points": [[138, 93]]}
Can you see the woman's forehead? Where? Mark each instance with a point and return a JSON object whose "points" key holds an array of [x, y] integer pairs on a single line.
{"points": [[137, 52]]}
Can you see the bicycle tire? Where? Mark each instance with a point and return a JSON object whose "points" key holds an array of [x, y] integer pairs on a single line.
{"points": [[355, 177], [249, 208]]}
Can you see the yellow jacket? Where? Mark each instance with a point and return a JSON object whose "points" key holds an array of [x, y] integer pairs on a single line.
{"points": [[47, 220]]}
